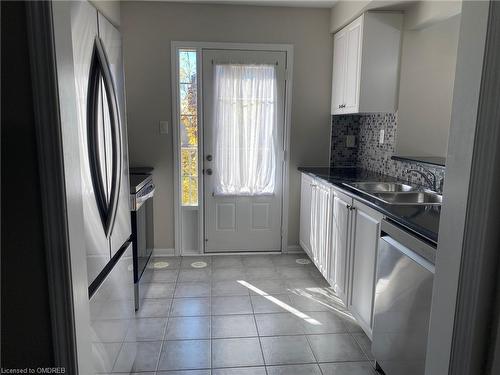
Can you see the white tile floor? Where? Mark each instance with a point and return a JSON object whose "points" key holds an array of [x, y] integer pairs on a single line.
{"points": [[239, 315]]}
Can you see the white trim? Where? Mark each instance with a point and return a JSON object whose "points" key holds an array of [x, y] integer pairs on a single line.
{"points": [[287, 132], [201, 196], [477, 302], [292, 249], [189, 208], [174, 65], [163, 252], [237, 253], [199, 47], [454, 225]]}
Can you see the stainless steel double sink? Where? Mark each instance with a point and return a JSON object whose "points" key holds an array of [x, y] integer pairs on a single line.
{"points": [[398, 193]]}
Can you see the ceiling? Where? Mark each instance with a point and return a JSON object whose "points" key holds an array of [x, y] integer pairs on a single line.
{"points": [[284, 3]]}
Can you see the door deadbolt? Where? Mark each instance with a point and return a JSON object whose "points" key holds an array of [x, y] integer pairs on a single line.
{"points": [[209, 157]]}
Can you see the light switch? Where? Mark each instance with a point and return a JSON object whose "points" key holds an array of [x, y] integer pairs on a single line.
{"points": [[381, 138], [163, 127], [350, 141]]}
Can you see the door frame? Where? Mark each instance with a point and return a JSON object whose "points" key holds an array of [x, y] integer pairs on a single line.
{"points": [[199, 47], [464, 324]]}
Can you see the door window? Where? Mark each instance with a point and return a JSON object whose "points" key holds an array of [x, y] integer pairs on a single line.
{"points": [[245, 118]]}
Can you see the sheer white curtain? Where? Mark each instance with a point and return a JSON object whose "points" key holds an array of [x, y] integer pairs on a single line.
{"points": [[245, 129]]}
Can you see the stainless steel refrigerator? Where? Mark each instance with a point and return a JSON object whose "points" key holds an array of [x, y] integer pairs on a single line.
{"points": [[99, 79], [102, 131]]}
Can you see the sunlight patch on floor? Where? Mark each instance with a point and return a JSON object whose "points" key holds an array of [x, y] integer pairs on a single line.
{"points": [[334, 305], [281, 304]]}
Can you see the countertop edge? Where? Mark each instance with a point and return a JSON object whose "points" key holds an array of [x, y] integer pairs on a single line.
{"points": [[425, 234]]}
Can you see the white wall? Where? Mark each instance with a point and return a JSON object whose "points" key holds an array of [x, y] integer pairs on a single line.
{"points": [[110, 9], [345, 11], [149, 27], [426, 88], [423, 13]]}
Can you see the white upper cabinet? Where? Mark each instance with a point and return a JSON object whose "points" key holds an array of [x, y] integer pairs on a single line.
{"points": [[366, 57], [339, 64]]}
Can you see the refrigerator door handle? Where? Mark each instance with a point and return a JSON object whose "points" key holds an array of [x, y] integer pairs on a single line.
{"points": [[99, 69]]}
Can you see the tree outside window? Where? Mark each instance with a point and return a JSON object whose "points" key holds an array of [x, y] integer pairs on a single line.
{"points": [[188, 126]]}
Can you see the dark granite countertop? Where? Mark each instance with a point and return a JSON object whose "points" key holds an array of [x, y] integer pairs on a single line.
{"points": [[423, 220]]}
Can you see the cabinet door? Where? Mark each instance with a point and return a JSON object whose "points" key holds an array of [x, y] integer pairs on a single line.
{"points": [[338, 75], [365, 236], [324, 227], [339, 247], [320, 227], [315, 214], [305, 213], [354, 34]]}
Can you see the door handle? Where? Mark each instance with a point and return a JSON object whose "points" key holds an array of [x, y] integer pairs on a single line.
{"points": [[99, 69], [209, 171]]}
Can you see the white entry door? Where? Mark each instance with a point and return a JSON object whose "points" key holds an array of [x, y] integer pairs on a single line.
{"points": [[243, 117]]}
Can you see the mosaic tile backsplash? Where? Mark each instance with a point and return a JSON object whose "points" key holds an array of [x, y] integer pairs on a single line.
{"points": [[368, 153]]}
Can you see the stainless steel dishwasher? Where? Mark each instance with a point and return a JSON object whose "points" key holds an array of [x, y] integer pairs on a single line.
{"points": [[403, 292]]}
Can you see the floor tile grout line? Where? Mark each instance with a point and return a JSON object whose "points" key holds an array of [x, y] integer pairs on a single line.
{"points": [[213, 280], [312, 351], [231, 337], [161, 347], [118, 355], [360, 346], [258, 335], [252, 366], [241, 337], [168, 322]]}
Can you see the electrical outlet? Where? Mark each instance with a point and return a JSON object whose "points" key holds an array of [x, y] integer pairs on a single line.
{"points": [[381, 137], [163, 127], [350, 141]]}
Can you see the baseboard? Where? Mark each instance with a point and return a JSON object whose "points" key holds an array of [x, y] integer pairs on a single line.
{"points": [[163, 252], [294, 249], [291, 249], [191, 253]]}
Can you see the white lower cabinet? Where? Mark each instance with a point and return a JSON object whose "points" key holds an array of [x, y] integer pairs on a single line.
{"points": [[306, 187], [339, 245], [341, 236], [321, 211], [365, 236], [315, 221]]}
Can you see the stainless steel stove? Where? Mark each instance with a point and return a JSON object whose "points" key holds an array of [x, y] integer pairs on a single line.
{"points": [[141, 204]]}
